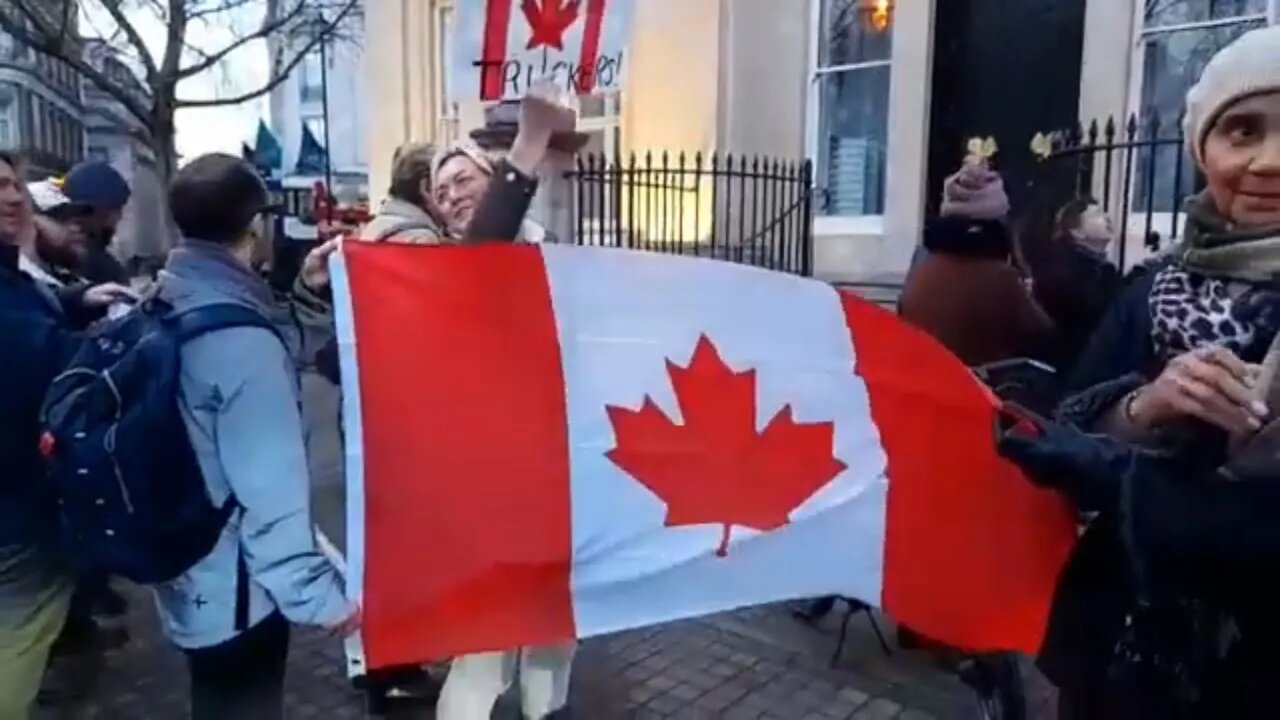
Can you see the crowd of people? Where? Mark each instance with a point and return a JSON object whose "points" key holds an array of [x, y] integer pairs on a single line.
{"points": [[1163, 435], [238, 395]]}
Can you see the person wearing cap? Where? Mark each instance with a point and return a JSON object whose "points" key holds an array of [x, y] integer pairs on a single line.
{"points": [[239, 396], [1165, 607], [99, 187], [39, 325], [60, 239]]}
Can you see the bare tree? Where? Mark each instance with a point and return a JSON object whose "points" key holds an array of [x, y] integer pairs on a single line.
{"points": [[49, 27]]}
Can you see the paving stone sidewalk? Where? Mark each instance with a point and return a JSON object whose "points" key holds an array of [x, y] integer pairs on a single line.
{"points": [[758, 663]]}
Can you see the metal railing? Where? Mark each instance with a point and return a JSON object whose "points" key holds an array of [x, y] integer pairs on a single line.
{"points": [[751, 210], [1138, 169]]}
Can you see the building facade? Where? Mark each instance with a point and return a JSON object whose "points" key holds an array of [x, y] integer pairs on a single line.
{"points": [[41, 109], [297, 106], [881, 94]]}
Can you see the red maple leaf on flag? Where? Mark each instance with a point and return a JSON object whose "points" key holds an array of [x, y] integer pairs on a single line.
{"points": [[716, 467], [549, 20]]}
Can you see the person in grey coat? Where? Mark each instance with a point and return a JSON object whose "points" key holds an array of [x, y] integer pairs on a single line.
{"points": [[231, 612]]}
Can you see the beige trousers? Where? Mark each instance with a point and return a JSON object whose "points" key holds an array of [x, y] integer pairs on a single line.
{"points": [[34, 597], [476, 681]]}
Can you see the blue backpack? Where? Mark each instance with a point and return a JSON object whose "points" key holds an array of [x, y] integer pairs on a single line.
{"points": [[131, 495]]}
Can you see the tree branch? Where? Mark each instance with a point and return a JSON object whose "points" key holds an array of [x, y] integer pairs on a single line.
{"points": [[269, 27], [173, 47], [134, 37], [283, 73]]}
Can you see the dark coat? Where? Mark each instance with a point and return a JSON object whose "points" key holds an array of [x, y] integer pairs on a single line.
{"points": [[966, 292], [39, 339], [100, 266], [1075, 287], [1167, 525]]}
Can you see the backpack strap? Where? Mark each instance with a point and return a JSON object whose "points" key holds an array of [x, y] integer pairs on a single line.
{"points": [[191, 324]]}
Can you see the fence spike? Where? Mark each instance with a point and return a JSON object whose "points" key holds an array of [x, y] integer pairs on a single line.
{"points": [[1153, 126], [1093, 132], [681, 160], [697, 159], [633, 160], [1110, 130], [648, 158], [1131, 128]]}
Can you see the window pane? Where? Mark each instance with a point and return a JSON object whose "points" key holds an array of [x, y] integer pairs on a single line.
{"points": [[847, 36], [446, 56], [1172, 62], [1163, 13], [316, 126], [312, 74], [853, 140]]}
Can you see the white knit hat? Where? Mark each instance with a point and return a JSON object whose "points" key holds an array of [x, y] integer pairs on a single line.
{"points": [[1249, 66]]}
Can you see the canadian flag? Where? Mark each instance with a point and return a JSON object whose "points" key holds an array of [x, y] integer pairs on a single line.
{"points": [[547, 443], [503, 46]]}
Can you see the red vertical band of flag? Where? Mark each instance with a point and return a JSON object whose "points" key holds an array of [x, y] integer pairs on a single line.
{"points": [[466, 459], [497, 25], [591, 33], [959, 516]]}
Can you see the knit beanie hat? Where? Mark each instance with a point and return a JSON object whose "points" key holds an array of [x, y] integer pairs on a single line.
{"points": [[975, 193], [1249, 66]]}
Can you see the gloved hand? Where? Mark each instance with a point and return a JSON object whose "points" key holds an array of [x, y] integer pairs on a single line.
{"points": [[1089, 469]]}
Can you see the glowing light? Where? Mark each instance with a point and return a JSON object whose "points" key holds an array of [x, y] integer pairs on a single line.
{"points": [[879, 14]]}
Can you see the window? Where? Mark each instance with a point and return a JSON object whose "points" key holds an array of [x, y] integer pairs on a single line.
{"points": [[1176, 40], [448, 123], [851, 104], [6, 122], [312, 86], [316, 126]]}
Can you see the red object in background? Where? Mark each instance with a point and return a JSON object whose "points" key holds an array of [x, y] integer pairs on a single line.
{"points": [[48, 444], [332, 218]]}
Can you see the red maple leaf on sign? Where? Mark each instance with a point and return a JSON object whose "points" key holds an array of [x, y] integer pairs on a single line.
{"points": [[716, 467], [549, 20]]}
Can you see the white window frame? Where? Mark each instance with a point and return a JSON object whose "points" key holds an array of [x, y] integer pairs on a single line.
{"points": [[448, 115], [1134, 221], [608, 122], [835, 224]]}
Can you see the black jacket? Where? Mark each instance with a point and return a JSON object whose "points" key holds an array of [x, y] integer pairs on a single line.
{"points": [[100, 266], [1075, 287], [39, 339]]}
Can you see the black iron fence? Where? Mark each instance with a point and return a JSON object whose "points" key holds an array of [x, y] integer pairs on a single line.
{"points": [[1138, 169], [752, 210]]}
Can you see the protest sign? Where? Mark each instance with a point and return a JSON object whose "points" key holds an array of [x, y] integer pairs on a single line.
{"points": [[501, 47]]}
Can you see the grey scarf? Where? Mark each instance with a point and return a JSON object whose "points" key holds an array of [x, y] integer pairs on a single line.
{"points": [[1215, 247]]}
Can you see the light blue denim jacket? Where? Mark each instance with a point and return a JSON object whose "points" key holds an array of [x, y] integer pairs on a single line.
{"points": [[240, 400]]}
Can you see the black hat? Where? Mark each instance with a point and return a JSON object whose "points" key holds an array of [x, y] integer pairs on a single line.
{"points": [[216, 197]]}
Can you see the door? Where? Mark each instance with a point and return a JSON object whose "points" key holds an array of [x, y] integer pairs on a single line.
{"points": [[1002, 68]]}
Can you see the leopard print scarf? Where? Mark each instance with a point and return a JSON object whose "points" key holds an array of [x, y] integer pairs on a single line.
{"points": [[1222, 289], [1190, 310]]}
